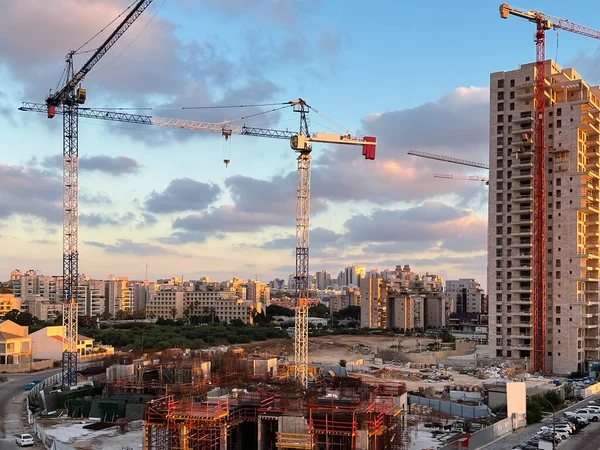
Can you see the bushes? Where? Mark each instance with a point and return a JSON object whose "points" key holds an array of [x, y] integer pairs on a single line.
{"points": [[534, 412], [554, 398]]}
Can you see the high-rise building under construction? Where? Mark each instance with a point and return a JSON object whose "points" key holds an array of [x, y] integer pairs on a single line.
{"points": [[572, 127]]}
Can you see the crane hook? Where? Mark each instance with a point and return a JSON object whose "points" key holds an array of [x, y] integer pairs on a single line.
{"points": [[226, 161]]}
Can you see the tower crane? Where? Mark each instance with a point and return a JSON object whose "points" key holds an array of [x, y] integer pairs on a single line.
{"points": [[543, 23], [68, 98], [462, 177], [301, 143], [462, 162]]}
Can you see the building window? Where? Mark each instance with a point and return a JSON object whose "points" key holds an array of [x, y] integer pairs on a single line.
{"points": [[501, 95], [500, 118], [500, 84], [558, 112], [527, 78], [512, 83], [558, 123], [558, 323], [512, 106], [501, 106], [512, 95]]}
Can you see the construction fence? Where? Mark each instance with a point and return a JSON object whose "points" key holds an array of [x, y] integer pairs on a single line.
{"points": [[455, 409]]}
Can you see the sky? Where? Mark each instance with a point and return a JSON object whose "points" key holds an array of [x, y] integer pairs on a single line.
{"points": [[413, 74]]}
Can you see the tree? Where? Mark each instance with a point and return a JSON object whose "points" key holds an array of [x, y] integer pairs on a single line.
{"points": [[151, 315], [186, 314], [276, 310], [174, 312], [120, 315], [87, 321], [349, 312], [319, 310], [259, 317]]}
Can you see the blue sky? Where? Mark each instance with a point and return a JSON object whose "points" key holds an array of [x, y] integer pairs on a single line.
{"points": [[414, 75]]}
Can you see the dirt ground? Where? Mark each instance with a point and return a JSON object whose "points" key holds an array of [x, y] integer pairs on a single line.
{"points": [[332, 349]]}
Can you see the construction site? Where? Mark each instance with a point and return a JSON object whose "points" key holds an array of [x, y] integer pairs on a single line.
{"points": [[229, 400]]}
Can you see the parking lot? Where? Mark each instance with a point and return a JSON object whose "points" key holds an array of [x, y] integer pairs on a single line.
{"points": [[513, 439]]}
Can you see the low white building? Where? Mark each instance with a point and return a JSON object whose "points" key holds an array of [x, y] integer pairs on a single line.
{"points": [[47, 343]]}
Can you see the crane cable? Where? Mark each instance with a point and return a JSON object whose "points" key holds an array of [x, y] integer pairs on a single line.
{"points": [[133, 41], [76, 52], [332, 121]]}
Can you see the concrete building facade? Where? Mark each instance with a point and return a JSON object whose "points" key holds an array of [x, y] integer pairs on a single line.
{"points": [[573, 210], [468, 295], [373, 303]]}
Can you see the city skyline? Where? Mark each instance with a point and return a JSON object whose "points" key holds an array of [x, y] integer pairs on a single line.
{"points": [[166, 199]]}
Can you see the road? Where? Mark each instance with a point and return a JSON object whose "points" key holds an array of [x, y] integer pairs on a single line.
{"points": [[12, 394], [586, 439], [523, 434]]}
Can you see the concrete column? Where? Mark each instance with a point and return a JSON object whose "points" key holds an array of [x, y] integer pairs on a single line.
{"points": [[223, 443], [259, 434]]}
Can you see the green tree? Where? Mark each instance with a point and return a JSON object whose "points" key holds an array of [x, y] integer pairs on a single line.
{"points": [[276, 310], [173, 312], [319, 310]]}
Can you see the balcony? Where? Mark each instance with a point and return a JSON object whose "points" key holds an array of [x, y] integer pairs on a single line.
{"points": [[524, 95], [523, 119], [519, 187], [522, 162]]}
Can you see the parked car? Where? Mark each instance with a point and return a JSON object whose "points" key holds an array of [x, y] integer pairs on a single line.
{"points": [[573, 415], [30, 386], [589, 414], [547, 436], [562, 432], [24, 440]]}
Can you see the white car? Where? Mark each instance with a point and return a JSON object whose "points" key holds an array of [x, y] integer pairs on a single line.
{"points": [[24, 440], [589, 414], [563, 432]]}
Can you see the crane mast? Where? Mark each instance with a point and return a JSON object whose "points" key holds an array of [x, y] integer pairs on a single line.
{"points": [[299, 142], [69, 97], [543, 23]]}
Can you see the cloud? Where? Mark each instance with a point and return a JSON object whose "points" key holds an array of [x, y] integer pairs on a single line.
{"points": [[111, 165], [99, 198], [127, 246], [182, 194], [95, 220], [223, 219], [146, 220], [31, 192], [319, 238], [433, 224]]}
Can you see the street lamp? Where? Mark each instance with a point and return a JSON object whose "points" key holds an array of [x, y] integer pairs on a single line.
{"points": [[553, 426]]}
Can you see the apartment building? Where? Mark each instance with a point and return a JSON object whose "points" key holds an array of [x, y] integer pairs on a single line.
{"points": [[373, 302], [227, 305], [401, 310], [573, 237], [323, 280], [258, 293], [178, 302], [31, 284], [143, 292], [468, 295], [353, 275], [167, 303], [118, 295], [8, 302]]}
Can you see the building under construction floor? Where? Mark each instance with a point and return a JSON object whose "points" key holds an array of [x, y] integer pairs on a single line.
{"points": [[356, 417], [237, 402]]}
